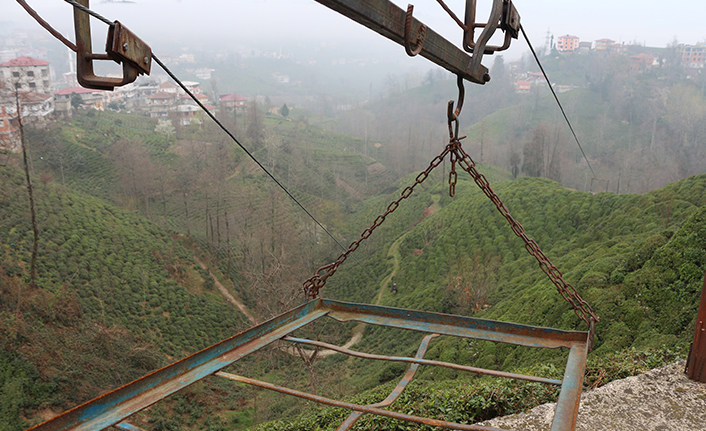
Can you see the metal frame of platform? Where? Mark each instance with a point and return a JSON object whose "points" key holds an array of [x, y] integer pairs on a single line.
{"points": [[112, 408]]}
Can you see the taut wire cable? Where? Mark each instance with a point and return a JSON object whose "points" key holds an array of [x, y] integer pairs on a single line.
{"points": [[557, 99]]}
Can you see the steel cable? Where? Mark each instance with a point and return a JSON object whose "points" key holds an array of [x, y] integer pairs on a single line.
{"points": [[233, 138], [536, 58]]}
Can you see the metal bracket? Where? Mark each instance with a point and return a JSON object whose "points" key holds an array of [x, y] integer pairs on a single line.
{"points": [[388, 19], [503, 15], [122, 46]]}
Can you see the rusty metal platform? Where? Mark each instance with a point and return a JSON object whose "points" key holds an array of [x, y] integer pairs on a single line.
{"points": [[114, 407]]}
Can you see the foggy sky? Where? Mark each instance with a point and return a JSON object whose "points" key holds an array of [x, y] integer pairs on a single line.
{"points": [[240, 23]]}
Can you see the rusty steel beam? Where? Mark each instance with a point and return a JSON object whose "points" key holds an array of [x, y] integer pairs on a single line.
{"points": [[422, 361], [456, 326], [113, 407], [387, 19], [356, 407], [696, 363], [392, 397]]}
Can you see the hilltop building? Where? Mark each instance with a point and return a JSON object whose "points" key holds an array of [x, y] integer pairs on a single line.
{"points": [[523, 86], [603, 44], [641, 62], [27, 74], [233, 102], [30, 79], [692, 56], [35, 108], [567, 43]]}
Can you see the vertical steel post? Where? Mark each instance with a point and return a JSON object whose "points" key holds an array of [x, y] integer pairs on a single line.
{"points": [[696, 364]]}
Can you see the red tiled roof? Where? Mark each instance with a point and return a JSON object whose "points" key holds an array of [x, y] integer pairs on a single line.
{"points": [[167, 84], [162, 95], [33, 97], [24, 61], [77, 90], [232, 97]]}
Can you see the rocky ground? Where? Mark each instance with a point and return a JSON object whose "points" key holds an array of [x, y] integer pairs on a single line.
{"points": [[663, 399]]}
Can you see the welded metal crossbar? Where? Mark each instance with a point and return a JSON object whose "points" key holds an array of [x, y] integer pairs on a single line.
{"points": [[421, 361], [114, 407]]}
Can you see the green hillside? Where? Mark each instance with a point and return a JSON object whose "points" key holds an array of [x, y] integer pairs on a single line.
{"points": [[638, 260], [115, 297]]}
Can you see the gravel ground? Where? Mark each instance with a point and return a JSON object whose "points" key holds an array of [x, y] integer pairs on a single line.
{"points": [[663, 399]]}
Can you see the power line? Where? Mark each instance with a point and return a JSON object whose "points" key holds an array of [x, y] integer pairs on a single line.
{"points": [[213, 117], [556, 98]]}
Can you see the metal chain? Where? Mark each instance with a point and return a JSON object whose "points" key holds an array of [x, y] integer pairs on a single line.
{"points": [[314, 284], [582, 309], [458, 156]]}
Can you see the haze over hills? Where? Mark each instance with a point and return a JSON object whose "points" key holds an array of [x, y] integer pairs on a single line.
{"points": [[147, 231]]}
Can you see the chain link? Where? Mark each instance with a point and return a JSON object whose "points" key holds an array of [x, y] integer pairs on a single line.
{"points": [[457, 155], [582, 309], [315, 283]]}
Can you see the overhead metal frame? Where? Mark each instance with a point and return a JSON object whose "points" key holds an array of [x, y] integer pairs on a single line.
{"points": [[114, 407]]}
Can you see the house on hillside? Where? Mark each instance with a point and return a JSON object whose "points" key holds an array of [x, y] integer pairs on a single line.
{"points": [[692, 56], [523, 87], [280, 78], [567, 43], [169, 87], [96, 99], [603, 44], [160, 104], [35, 108], [640, 63], [192, 86], [27, 74], [585, 47], [186, 114], [233, 102]]}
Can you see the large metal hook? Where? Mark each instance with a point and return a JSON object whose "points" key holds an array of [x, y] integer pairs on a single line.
{"points": [[452, 115], [419, 38]]}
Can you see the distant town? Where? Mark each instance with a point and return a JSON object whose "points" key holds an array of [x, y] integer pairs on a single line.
{"points": [[45, 97]]}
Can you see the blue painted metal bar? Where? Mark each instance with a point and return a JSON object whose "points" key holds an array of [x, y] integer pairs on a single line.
{"points": [[404, 382], [357, 407], [426, 362], [567, 406], [457, 326], [124, 426], [113, 407]]}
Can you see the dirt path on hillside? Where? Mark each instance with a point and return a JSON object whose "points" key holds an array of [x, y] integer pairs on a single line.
{"points": [[357, 332], [227, 294], [393, 252]]}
